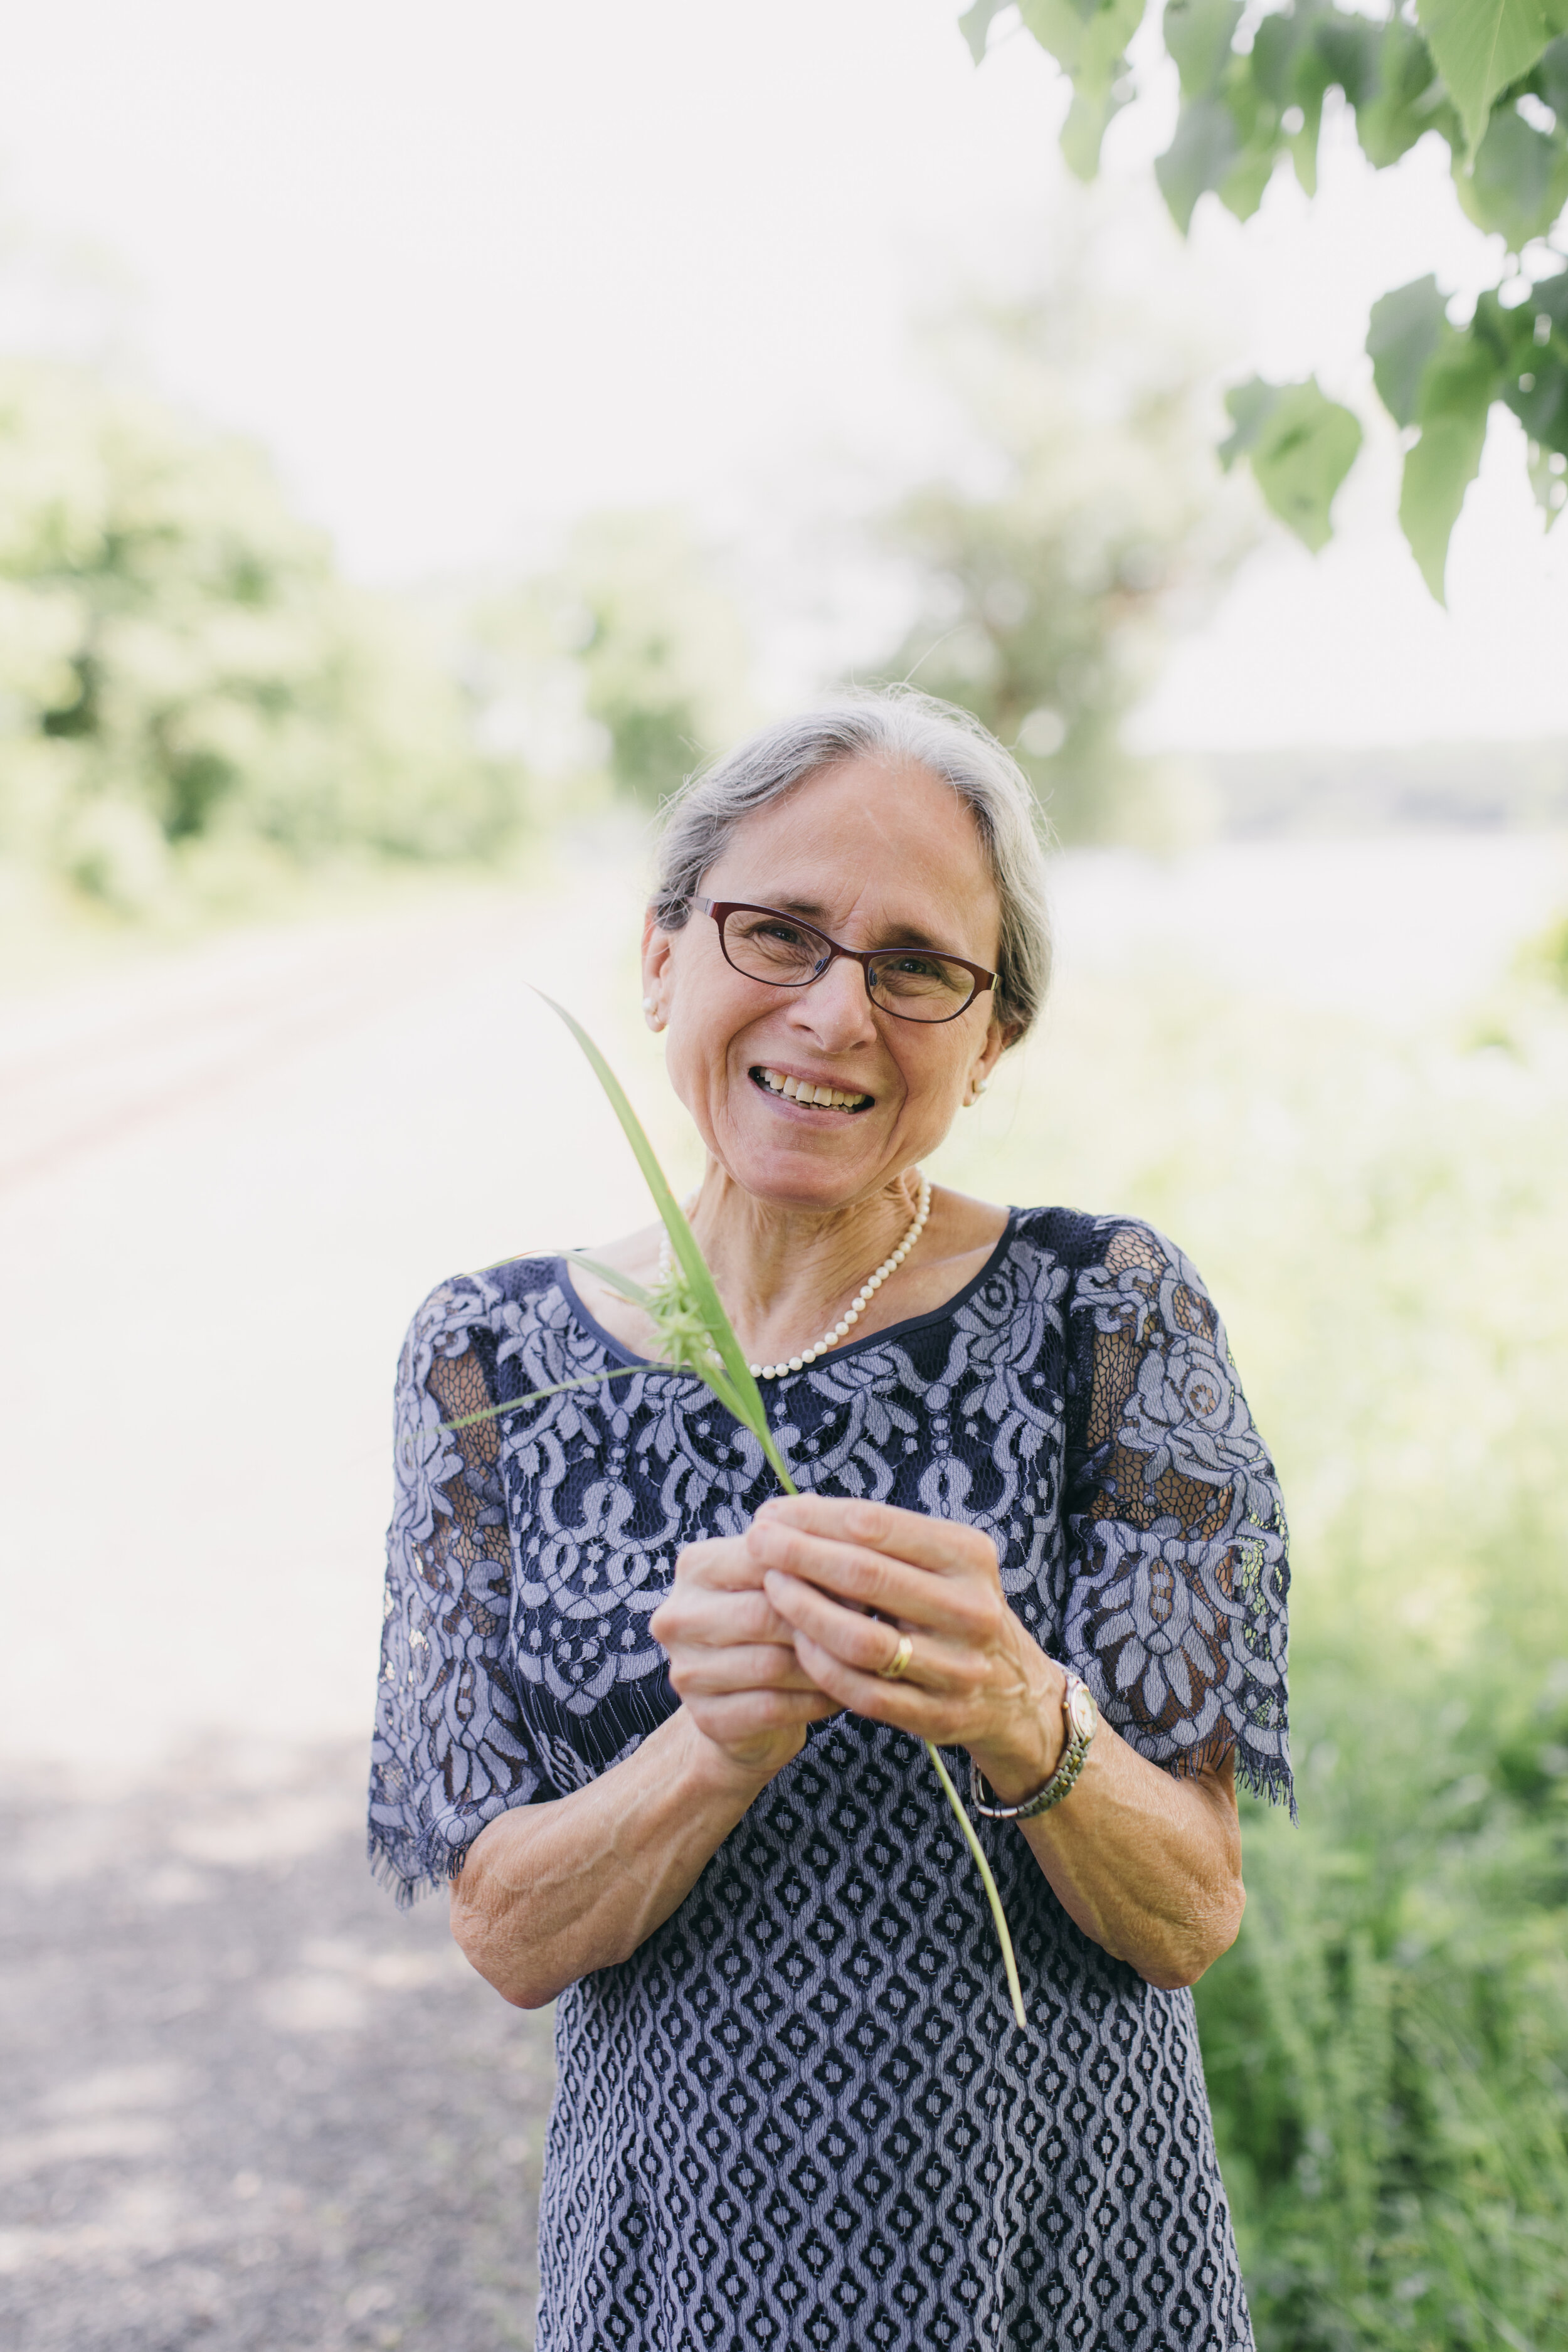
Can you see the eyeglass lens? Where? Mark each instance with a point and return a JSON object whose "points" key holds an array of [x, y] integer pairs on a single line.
{"points": [[906, 980]]}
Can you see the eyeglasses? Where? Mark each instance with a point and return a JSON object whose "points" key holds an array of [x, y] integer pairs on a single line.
{"points": [[910, 982]]}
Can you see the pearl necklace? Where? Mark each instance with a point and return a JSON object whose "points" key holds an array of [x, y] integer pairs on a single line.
{"points": [[851, 1315]]}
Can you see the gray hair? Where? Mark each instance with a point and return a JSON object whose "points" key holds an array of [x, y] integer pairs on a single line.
{"points": [[896, 724]]}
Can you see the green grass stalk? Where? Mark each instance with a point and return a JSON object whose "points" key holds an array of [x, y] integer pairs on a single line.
{"points": [[695, 1335]]}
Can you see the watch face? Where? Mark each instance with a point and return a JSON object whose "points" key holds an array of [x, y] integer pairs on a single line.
{"points": [[1082, 1713]]}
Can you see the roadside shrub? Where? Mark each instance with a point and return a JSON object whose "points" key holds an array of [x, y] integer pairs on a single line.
{"points": [[183, 673]]}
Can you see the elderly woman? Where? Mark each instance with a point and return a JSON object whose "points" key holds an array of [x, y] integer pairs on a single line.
{"points": [[660, 1726]]}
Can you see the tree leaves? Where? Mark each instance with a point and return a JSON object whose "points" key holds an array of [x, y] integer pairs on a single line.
{"points": [[1300, 445], [1441, 379], [1089, 42], [1400, 341], [1483, 45], [1529, 344], [1406, 100], [1517, 180], [1454, 400], [1199, 35], [1198, 158], [975, 26], [1489, 76]]}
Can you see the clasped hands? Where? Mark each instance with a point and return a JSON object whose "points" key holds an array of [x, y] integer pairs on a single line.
{"points": [[800, 1617]]}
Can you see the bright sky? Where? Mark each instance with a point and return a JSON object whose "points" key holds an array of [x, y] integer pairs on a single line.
{"points": [[468, 272]]}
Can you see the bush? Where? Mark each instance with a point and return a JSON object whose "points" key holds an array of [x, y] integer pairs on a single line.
{"points": [[1387, 2044], [182, 670]]}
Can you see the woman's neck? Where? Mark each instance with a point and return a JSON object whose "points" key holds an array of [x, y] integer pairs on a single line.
{"points": [[782, 1276], [786, 1273]]}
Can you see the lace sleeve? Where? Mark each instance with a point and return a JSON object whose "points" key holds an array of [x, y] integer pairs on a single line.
{"points": [[1177, 1571], [450, 1750]]}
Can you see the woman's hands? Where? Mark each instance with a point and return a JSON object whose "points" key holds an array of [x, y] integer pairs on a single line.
{"points": [[768, 1631], [773, 1629], [975, 1678], [732, 1658]]}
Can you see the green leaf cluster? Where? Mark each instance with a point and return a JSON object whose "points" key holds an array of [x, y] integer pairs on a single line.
{"points": [[1489, 77], [1299, 444]]}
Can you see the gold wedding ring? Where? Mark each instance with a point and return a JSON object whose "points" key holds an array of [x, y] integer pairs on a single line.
{"points": [[898, 1665]]}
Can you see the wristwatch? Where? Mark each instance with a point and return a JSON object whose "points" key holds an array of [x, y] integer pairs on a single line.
{"points": [[1082, 1720]]}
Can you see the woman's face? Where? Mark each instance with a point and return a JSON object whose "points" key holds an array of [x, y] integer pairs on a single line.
{"points": [[876, 857]]}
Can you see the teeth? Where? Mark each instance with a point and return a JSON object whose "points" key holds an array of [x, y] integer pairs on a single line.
{"points": [[800, 1090]]}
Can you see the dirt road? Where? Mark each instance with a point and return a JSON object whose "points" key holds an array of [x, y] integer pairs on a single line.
{"points": [[249, 2105]]}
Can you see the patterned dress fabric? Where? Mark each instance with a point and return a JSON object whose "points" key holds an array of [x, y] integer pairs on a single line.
{"points": [[800, 2113]]}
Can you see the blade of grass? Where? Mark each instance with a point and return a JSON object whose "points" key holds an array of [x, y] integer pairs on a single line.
{"points": [[683, 1242], [611, 1274], [737, 1390], [536, 1396], [998, 1916], [682, 1239]]}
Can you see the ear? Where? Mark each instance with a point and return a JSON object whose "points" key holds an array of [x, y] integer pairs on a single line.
{"points": [[997, 1040], [657, 968]]}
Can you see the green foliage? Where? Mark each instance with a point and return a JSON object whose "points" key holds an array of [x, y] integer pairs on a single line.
{"points": [[183, 676], [1481, 46], [1405, 330], [1300, 447], [1452, 403], [1518, 181], [1387, 2045], [1488, 77], [1044, 594], [1090, 42]]}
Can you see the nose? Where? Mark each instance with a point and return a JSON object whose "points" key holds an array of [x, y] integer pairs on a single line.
{"points": [[835, 1010]]}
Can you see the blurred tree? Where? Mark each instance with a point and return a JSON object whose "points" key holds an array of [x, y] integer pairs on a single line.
{"points": [[181, 671], [1102, 518], [665, 653], [624, 661]]}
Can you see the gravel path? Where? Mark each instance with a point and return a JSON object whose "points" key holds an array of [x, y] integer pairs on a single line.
{"points": [[251, 2106]]}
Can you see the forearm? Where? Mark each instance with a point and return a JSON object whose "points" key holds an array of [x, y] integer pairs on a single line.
{"points": [[1147, 1864], [552, 1892]]}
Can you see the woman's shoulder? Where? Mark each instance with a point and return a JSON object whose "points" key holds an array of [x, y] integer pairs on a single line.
{"points": [[1089, 1242], [488, 1297]]}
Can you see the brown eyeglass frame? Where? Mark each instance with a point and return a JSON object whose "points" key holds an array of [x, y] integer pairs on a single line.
{"points": [[722, 908]]}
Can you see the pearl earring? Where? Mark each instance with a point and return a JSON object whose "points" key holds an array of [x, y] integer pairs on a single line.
{"points": [[647, 1004]]}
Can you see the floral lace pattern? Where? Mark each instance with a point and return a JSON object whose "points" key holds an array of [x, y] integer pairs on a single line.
{"points": [[797, 2113]]}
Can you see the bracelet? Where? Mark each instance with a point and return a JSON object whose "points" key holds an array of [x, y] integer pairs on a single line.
{"points": [[1082, 1720]]}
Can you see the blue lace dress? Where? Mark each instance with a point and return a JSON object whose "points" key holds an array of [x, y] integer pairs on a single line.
{"points": [[800, 2113]]}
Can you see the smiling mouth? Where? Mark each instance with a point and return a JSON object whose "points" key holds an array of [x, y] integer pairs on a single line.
{"points": [[808, 1096]]}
